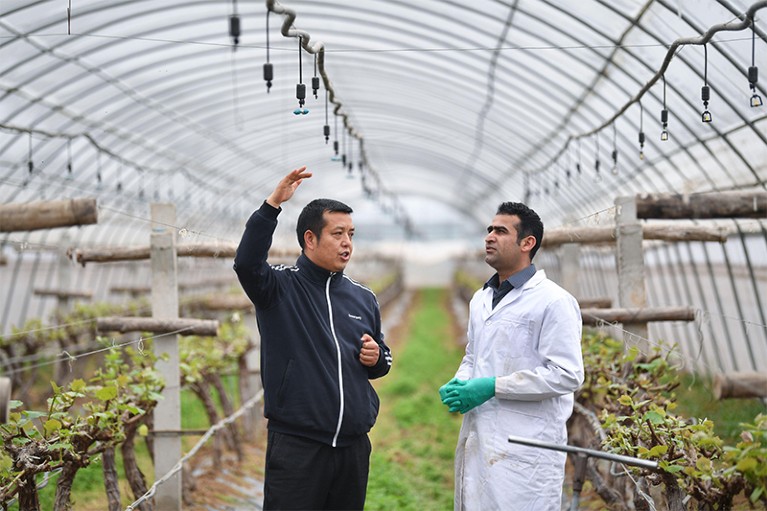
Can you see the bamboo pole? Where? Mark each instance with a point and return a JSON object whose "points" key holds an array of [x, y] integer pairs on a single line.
{"points": [[33, 216]]}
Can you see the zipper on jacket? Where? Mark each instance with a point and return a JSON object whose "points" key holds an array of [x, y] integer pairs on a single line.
{"points": [[338, 353]]}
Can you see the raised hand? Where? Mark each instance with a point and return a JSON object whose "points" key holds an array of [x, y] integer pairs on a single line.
{"points": [[287, 186]]}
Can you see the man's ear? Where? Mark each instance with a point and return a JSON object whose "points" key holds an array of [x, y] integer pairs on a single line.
{"points": [[528, 243], [310, 240]]}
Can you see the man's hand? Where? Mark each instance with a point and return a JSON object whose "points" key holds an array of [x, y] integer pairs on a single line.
{"points": [[287, 186], [370, 351], [462, 396], [444, 389]]}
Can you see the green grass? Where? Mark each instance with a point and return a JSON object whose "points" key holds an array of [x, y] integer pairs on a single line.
{"points": [[695, 399], [414, 438]]}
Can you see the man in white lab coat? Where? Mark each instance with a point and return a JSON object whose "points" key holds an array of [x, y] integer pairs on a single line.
{"points": [[522, 365]]}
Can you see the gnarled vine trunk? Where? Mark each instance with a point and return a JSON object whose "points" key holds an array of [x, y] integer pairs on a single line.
{"points": [[233, 438], [29, 500], [111, 481], [202, 391], [132, 471], [64, 487]]}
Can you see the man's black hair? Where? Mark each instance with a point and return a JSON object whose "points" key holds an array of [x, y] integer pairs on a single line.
{"points": [[530, 223], [311, 218]]}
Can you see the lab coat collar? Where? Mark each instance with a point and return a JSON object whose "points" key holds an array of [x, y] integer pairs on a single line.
{"points": [[511, 297], [516, 280]]}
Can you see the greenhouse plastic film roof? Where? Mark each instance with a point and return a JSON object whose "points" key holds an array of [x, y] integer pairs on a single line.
{"points": [[440, 109]]}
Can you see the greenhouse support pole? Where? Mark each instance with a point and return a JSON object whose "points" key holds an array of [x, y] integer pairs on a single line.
{"points": [[64, 274], [64, 302], [254, 417], [630, 264], [167, 414], [569, 262]]}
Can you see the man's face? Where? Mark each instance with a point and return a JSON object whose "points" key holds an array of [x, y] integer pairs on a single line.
{"points": [[333, 250], [503, 250]]}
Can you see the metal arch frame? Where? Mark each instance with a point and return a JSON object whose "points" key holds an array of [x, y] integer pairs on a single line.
{"points": [[689, 130], [129, 2], [600, 73], [691, 67]]}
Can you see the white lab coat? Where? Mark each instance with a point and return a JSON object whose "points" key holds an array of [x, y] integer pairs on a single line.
{"points": [[531, 343]]}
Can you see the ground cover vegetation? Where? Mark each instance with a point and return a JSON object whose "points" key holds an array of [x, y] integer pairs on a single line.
{"points": [[414, 438], [99, 415], [635, 399], [712, 454]]}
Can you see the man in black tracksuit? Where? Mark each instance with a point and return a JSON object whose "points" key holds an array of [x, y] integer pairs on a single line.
{"points": [[321, 342]]}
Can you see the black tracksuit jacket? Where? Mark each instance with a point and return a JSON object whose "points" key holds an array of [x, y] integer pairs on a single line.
{"points": [[311, 321]]}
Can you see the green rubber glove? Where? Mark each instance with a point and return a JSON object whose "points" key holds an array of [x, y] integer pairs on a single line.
{"points": [[443, 390], [462, 397]]}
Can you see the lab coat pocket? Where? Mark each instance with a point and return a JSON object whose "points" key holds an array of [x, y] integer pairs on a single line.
{"points": [[513, 337], [521, 424]]}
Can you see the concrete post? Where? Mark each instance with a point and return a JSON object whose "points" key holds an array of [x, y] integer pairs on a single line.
{"points": [[569, 264], [630, 264], [167, 414], [254, 418]]}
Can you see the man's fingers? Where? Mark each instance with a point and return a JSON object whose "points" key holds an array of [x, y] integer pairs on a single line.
{"points": [[451, 401]]}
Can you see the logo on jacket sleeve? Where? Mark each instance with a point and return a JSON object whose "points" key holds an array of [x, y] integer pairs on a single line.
{"points": [[358, 318]]}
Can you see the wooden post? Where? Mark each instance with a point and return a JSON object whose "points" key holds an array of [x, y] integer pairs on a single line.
{"points": [[595, 303], [167, 414], [32, 216], [199, 327], [743, 384], [594, 316], [630, 264], [598, 234], [703, 205]]}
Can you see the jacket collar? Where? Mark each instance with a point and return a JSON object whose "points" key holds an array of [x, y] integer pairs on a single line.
{"points": [[314, 272]]}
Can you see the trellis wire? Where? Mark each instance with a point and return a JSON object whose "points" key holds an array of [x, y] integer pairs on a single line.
{"points": [[179, 465]]}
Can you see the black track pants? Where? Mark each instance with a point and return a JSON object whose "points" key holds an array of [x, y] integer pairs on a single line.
{"points": [[309, 475]]}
